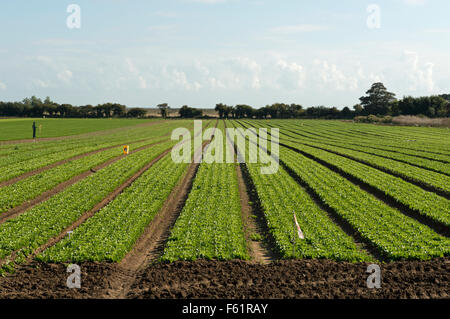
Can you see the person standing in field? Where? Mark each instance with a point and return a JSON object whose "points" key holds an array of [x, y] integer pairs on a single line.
{"points": [[34, 130]]}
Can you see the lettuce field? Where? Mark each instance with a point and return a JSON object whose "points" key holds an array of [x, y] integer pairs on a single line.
{"points": [[361, 193]]}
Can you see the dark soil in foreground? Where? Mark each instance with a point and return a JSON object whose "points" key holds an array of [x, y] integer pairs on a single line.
{"points": [[236, 279]]}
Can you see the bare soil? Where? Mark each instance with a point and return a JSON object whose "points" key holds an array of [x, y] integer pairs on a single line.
{"points": [[237, 280]]}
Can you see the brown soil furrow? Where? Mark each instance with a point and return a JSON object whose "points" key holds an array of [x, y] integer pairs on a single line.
{"points": [[151, 243], [253, 224], [62, 162], [253, 217], [59, 188], [97, 133], [238, 280], [99, 205]]}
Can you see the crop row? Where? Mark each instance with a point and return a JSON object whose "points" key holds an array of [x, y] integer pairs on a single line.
{"points": [[210, 225], [409, 159], [15, 194], [344, 134], [34, 159], [36, 226], [414, 197], [112, 232], [433, 179], [391, 132], [347, 133], [396, 235], [280, 196]]}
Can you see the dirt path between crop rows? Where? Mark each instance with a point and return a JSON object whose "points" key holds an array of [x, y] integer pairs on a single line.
{"points": [[255, 226], [257, 246], [151, 243], [16, 211], [97, 133], [237, 280]]}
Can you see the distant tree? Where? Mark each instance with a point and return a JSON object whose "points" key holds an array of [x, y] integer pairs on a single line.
{"points": [[87, 111], [445, 97], [394, 108], [190, 112], [432, 106], [378, 100], [164, 109], [220, 108], [295, 110], [231, 110], [243, 110], [272, 110], [358, 109], [226, 111], [118, 109], [136, 112], [346, 112]]}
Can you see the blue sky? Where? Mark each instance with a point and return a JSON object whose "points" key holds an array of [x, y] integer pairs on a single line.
{"points": [[202, 52]]}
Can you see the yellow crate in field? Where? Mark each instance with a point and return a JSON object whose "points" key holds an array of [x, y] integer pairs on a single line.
{"points": [[126, 149]]}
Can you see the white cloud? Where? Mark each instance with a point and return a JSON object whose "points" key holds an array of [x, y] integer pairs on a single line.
{"points": [[2, 86], [41, 83], [420, 76], [136, 73], [142, 82], [130, 66], [328, 75], [291, 75], [65, 76]]}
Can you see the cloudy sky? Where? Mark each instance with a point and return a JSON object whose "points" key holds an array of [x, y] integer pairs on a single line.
{"points": [[202, 52]]}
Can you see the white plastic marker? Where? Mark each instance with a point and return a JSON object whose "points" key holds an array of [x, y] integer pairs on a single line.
{"points": [[299, 231]]}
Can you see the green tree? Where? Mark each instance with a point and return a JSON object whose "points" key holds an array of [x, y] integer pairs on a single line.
{"points": [[378, 100], [164, 109], [220, 108], [136, 112], [190, 112]]}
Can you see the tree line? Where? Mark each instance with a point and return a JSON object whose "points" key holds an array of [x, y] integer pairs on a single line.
{"points": [[35, 107], [377, 101]]}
